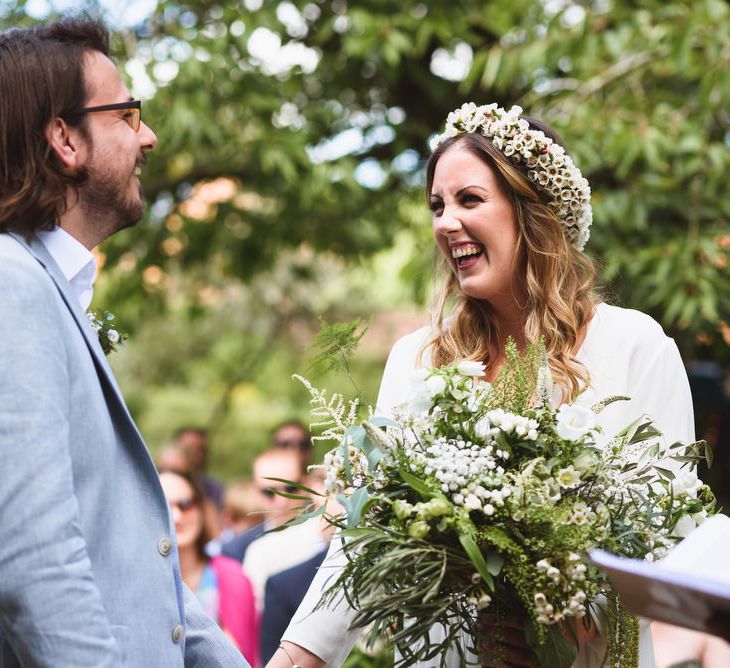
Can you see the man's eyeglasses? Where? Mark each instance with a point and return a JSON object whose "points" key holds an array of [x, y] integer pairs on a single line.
{"points": [[271, 492], [133, 117], [184, 505]]}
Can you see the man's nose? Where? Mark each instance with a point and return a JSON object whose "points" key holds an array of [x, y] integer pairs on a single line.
{"points": [[147, 138]]}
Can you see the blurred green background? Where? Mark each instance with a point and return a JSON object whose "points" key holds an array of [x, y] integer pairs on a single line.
{"points": [[287, 183]]}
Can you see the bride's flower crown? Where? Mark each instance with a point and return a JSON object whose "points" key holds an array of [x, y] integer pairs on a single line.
{"points": [[550, 168]]}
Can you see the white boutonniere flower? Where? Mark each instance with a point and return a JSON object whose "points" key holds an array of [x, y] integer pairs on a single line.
{"points": [[110, 338]]}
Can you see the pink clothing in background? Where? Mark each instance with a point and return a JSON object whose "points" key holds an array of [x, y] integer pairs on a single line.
{"points": [[237, 607]]}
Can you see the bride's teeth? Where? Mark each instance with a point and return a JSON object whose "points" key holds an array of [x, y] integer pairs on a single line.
{"points": [[462, 252]]}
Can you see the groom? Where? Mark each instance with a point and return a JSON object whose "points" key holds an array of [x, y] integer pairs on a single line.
{"points": [[89, 572]]}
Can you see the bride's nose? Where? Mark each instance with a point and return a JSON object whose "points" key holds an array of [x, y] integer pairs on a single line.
{"points": [[447, 223]]}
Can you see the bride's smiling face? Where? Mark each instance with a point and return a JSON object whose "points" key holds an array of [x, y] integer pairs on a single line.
{"points": [[474, 225]]}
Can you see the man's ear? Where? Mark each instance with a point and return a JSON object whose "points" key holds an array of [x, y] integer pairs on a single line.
{"points": [[67, 144]]}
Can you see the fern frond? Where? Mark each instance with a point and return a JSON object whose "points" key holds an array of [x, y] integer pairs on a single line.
{"points": [[334, 415], [336, 344]]}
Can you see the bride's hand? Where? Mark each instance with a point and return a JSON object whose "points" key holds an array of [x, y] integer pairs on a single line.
{"points": [[503, 642]]}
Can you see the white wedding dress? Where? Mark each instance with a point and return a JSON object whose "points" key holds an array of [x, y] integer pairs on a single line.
{"points": [[626, 353]]}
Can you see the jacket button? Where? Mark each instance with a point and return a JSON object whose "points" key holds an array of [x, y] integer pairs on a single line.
{"points": [[177, 633], [164, 547]]}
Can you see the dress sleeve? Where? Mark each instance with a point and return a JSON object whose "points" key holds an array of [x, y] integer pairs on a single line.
{"points": [[659, 388], [326, 631], [402, 362], [662, 392]]}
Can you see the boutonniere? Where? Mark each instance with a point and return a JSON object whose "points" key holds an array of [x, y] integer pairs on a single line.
{"points": [[110, 338]]}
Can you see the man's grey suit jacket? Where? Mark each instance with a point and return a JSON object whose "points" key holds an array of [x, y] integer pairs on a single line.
{"points": [[89, 572]]}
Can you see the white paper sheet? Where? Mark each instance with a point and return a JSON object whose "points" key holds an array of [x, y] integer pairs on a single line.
{"points": [[688, 587]]}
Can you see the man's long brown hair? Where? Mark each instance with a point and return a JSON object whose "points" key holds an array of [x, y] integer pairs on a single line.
{"points": [[41, 78]]}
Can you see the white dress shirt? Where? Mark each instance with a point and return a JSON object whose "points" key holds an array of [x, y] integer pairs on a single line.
{"points": [[75, 261]]}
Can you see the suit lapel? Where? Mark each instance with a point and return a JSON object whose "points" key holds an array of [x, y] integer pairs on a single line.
{"points": [[36, 248]]}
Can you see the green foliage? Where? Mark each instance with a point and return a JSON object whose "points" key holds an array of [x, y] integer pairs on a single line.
{"points": [[514, 388], [337, 344], [380, 658], [639, 93], [399, 557], [248, 210], [625, 641], [556, 651]]}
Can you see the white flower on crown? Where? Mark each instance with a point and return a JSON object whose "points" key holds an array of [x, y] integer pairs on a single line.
{"points": [[554, 171]]}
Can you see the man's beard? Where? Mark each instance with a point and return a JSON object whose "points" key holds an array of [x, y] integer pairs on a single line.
{"points": [[106, 199]]}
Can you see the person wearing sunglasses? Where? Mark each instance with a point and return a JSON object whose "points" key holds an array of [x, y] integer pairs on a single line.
{"points": [[220, 585], [277, 474], [90, 576], [293, 435], [275, 508]]}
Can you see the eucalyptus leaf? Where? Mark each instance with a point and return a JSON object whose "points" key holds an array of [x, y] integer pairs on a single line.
{"points": [[648, 454], [666, 473], [416, 484], [495, 562], [354, 506], [477, 558], [301, 518]]}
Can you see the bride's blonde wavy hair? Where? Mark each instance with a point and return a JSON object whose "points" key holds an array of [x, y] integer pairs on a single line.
{"points": [[557, 293]]}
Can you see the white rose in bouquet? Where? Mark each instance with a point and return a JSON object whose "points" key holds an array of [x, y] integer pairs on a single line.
{"points": [[471, 368], [574, 421], [424, 388], [686, 482]]}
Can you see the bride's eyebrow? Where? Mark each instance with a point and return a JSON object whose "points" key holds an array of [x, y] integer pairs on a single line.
{"points": [[476, 187]]}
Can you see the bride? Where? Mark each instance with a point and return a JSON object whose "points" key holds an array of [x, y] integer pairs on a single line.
{"points": [[511, 214]]}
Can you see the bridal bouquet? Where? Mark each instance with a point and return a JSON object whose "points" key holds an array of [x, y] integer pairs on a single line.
{"points": [[483, 496]]}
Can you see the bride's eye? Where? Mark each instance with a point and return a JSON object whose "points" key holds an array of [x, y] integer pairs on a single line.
{"points": [[471, 198], [436, 205]]}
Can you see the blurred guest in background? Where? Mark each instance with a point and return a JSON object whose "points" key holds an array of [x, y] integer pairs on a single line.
{"points": [[219, 583], [276, 463], [277, 551], [293, 435], [195, 442], [284, 592], [173, 457], [243, 506]]}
